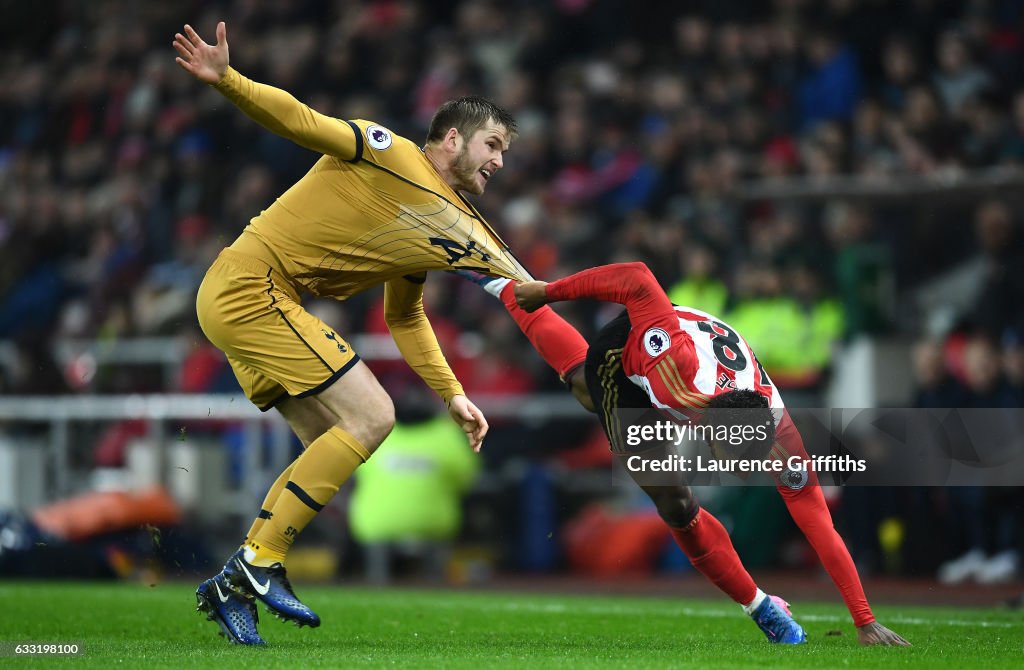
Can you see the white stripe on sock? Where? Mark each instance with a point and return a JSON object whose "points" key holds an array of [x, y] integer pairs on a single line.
{"points": [[755, 603]]}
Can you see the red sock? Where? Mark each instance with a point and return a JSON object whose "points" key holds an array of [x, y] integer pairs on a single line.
{"points": [[706, 543], [559, 344]]}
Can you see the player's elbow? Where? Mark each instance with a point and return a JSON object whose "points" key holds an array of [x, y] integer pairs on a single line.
{"points": [[397, 320], [398, 317], [636, 270], [638, 279]]}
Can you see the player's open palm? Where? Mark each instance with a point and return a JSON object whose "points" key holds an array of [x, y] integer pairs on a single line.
{"points": [[207, 63], [875, 634]]}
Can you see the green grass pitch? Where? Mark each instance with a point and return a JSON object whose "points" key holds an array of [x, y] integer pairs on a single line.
{"points": [[133, 626]]}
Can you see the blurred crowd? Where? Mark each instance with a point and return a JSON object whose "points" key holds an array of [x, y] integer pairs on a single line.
{"points": [[121, 177], [641, 127]]}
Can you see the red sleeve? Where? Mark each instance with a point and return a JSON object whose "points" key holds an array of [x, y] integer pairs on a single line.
{"points": [[629, 284], [809, 510]]}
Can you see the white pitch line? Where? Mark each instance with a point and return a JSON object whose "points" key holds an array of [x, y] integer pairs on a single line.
{"points": [[558, 608], [917, 621]]}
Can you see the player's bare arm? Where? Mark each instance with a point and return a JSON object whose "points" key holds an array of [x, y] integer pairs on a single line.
{"points": [[531, 295]]}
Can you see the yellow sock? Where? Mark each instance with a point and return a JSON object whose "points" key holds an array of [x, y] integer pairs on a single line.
{"points": [[268, 502], [316, 476]]}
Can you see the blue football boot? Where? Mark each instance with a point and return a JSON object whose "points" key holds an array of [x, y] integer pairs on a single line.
{"points": [[271, 587], [236, 615], [774, 619]]}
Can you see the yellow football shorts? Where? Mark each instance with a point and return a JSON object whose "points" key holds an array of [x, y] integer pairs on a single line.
{"points": [[276, 348]]}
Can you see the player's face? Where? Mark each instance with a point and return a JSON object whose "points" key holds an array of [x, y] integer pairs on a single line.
{"points": [[480, 158]]}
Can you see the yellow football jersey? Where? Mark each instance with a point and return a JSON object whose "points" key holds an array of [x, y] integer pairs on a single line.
{"points": [[370, 210]]}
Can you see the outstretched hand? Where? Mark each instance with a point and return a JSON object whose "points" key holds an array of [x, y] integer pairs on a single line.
{"points": [[470, 419], [531, 295], [204, 62], [875, 634]]}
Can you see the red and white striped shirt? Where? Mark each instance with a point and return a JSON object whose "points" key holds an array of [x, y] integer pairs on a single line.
{"points": [[689, 356], [682, 357]]}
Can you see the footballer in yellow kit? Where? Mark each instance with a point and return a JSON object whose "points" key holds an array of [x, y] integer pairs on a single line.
{"points": [[372, 210]]}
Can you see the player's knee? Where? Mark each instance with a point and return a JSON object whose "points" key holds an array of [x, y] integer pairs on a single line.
{"points": [[382, 421], [374, 424], [677, 506]]}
